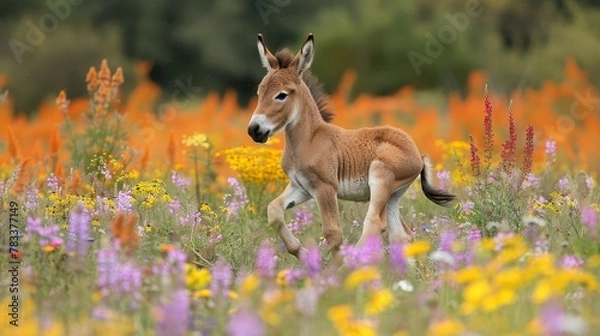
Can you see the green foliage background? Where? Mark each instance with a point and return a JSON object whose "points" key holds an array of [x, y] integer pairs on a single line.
{"points": [[213, 42]]}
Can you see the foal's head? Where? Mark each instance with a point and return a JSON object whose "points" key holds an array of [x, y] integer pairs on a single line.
{"points": [[280, 91]]}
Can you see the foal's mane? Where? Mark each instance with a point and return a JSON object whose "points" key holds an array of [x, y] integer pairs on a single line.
{"points": [[284, 58]]}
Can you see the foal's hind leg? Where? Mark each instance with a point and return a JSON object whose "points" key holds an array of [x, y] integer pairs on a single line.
{"points": [[291, 196], [381, 185], [397, 229]]}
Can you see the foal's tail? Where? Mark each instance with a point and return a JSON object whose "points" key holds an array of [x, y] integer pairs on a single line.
{"points": [[437, 196]]}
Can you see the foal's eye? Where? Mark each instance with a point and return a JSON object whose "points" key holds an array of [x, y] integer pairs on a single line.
{"points": [[281, 96]]}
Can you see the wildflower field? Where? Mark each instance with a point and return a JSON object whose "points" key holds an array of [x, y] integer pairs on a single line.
{"points": [[117, 220]]}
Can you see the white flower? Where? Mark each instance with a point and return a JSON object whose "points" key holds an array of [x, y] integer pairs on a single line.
{"points": [[528, 220], [442, 256], [403, 285]]}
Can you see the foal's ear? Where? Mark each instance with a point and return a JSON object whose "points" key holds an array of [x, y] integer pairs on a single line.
{"points": [[266, 58], [306, 55]]}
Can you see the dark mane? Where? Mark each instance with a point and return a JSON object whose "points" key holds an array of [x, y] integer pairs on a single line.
{"points": [[284, 58]]}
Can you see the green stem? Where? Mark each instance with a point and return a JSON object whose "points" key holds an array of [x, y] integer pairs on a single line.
{"points": [[197, 182]]}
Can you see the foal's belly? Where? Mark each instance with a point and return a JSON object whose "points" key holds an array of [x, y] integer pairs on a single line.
{"points": [[354, 190]]}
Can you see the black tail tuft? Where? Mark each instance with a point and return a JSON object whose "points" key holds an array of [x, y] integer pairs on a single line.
{"points": [[437, 196]]}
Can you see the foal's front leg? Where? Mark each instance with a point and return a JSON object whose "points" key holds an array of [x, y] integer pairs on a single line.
{"points": [[292, 195], [326, 197]]}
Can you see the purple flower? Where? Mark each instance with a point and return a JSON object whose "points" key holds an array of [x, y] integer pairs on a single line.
{"points": [[239, 199], [558, 322], [307, 300], [311, 261], [302, 219], [118, 277], [245, 323], [398, 261], [266, 261], [180, 181], [589, 217], [550, 151], [474, 234], [79, 225], [571, 261], [444, 179], [530, 181], [467, 206], [52, 182], [371, 252], [221, 279], [542, 246], [590, 183], [124, 200], [173, 317], [47, 235], [563, 185], [174, 206], [32, 197], [176, 259], [447, 238]]}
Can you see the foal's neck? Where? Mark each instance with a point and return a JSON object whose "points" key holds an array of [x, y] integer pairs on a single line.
{"points": [[309, 122]]}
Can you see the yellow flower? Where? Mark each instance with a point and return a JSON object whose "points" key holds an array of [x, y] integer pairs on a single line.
{"points": [[593, 261], [270, 316], [196, 140], [468, 274], [446, 327], [360, 276], [509, 278], [380, 300], [487, 244], [96, 296], [340, 313], [256, 164], [536, 327], [196, 279], [202, 294], [249, 284], [281, 278], [48, 248], [542, 292], [476, 291], [359, 328], [416, 248]]}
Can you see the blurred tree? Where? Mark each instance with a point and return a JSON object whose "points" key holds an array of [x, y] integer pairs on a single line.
{"points": [[212, 44]]}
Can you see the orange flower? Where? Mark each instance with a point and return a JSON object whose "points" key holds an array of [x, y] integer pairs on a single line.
{"points": [[13, 148], [104, 74], [75, 182], [165, 247], [144, 157], [117, 79], [22, 177], [62, 102], [171, 149], [59, 172], [124, 229], [54, 143], [92, 79]]}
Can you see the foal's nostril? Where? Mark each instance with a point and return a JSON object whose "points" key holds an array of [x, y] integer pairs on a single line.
{"points": [[254, 130]]}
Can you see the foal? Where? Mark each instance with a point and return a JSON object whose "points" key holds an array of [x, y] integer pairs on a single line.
{"points": [[327, 162]]}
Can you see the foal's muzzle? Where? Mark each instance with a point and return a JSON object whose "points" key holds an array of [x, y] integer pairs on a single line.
{"points": [[257, 134]]}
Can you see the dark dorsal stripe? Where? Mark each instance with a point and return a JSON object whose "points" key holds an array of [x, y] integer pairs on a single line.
{"points": [[284, 58]]}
